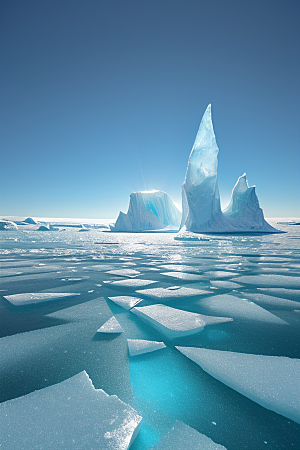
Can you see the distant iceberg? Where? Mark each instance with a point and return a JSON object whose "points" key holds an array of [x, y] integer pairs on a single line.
{"points": [[148, 210], [201, 208]]}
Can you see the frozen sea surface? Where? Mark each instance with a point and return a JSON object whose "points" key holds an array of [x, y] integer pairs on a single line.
{"points": [[45, 343]]}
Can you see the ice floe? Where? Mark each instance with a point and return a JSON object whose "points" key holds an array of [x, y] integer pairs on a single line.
{"points": [[271, 301], [140, 346], [132, 283], [70, 415], [124, 272], [272, 281], [181, 437], [224, 284], [174, 323], [238, 308], [172, 292], [270, 381], [293, 294], [36, 297], [183, 276], [125, 301], [111, 326]]}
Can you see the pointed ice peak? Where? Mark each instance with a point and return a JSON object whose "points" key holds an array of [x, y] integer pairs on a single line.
{"points": [[206, 137], [241, 185]]}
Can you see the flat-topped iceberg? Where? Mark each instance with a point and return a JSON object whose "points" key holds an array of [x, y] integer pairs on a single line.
{"points": [[201, 208], [69, 415], [148, 210], [181, 437], [174, 323], [270, 381]]}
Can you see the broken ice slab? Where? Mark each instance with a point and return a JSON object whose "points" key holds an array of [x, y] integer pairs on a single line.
{"points": [[183, 276], [125, 301], [224, 284], [174, 323], [293, 294], [181, 267], [172, 292], [140, 346], [100, 267], [271, 301], [270, 281], [238, 308], [69, 415], [111, 326], [270, 381], [124, 272], [36, 297], [181, 437], [9, 272], [219, 274], [132, 283]]}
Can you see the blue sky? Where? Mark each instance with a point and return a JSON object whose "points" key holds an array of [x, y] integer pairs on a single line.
{"points": [[100, 98]]}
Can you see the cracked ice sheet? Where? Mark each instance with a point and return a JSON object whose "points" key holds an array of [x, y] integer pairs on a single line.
{"points": [[181, 437], [72, 412], [36, 297], [172, 292], [174, 323], [272, 281], [238, 308], [270, 381]]}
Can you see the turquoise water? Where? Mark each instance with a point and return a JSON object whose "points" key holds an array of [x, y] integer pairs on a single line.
{"points": [[47, 343]]}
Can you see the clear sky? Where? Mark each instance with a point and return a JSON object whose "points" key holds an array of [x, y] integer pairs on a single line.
{"points": [[100, 98]]}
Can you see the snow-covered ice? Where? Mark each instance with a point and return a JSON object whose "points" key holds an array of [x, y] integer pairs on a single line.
{"points": [[111, 326], [183, 276], [224, 284], [271, 301], [293, 294], [271, 381], [125, 301], [238, 308], [174, 323], [182, 437], [132, 283], [148, 210], [69, 415], [141, 346], [37, 297]]}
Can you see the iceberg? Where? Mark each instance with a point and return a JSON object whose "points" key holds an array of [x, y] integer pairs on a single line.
{"points": [[70, 415], [270, 381], [181, 436], [140, 346], [174, 323], [148, 210], [201, 208]]}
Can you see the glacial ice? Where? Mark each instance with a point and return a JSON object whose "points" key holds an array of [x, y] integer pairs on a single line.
{"points": [[125, 301], [140, 346], [71, 414], [174, 323], [148, 210], [270, 381], [36, 297], [172, 292], [201, 209], [111, 326], [181, 437], [238, 308]]}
